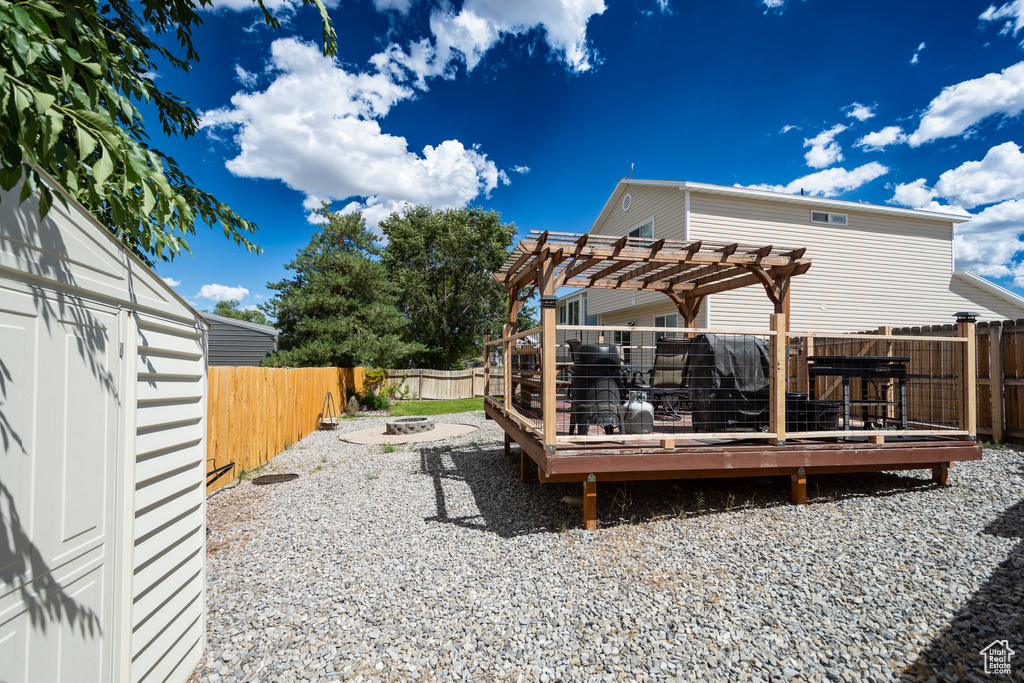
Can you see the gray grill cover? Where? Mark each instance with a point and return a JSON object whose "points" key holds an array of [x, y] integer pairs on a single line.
{"points": [[729, 378]]}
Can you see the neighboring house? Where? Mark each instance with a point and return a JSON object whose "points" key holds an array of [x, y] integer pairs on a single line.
{"points": [[103, 388], [871, 265], [237, 342]]}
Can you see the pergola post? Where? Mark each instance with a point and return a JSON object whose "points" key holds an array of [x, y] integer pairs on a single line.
{"points": [[777, 381], [546, 281], [968, 375]]}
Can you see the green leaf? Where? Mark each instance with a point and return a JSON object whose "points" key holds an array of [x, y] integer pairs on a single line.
{"points": [[45, 202], [9, 177], [44, 101], [148, 200], [86, 142], [104, 167]]}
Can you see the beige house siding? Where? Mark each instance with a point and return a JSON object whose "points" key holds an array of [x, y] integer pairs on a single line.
{"points": [[876, 270]]}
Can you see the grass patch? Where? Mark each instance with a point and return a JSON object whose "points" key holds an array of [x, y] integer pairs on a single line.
{"points": [[459, 405]]}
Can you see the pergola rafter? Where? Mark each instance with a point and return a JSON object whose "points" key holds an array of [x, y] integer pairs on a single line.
{"points": [[685, 271]]}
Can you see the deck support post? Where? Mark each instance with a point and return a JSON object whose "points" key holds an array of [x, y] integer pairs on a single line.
{"points": [[940, 474], [798, 487], [780, 365], [508, 445], [590, 503]]}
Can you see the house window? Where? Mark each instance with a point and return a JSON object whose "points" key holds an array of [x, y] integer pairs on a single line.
{"points": [[828, 217], [670, 320], [644, 232], [623, 341], [561, 314], [572, 312]]}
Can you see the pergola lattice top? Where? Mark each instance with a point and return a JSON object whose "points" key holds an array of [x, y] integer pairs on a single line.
{"points": [[685, 271]]}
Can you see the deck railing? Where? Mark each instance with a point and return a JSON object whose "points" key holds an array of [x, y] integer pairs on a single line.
{"points": [[632, 384]]}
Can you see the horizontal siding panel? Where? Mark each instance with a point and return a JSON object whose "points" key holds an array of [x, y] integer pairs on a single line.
{"points": [[149, 547], [150, 413], [150, 362], [156, 490], [177, 341], [149, 663], [149, 578], [190, 648], [172, 592], [170, 389], [149, 522], [163, 438]]}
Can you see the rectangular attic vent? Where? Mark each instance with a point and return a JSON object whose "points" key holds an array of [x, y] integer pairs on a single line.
{"points": [[826, 217]]}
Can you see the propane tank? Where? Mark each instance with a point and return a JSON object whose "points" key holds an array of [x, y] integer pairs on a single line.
{"points": [[637, 414]]}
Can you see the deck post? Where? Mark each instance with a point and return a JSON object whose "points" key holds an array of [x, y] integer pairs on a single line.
{"points": [[487, 367], [508, 445], [777, 404], [798, 492], [995, 382], [969, 375], [590, 503], [940, 474], [548, 371]]}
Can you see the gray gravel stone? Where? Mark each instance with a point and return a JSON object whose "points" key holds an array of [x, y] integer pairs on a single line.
{"points": [[433, 562]]}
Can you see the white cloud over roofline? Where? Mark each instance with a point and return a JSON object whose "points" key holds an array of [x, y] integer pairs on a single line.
{"points": [[222, 292], [830, 182], [960, 107]]}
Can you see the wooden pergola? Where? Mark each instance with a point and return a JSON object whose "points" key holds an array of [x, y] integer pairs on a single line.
{"points": [[686, 272]]}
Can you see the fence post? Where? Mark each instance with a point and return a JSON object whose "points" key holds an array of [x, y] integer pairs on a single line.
{"points": [[487, 367], [995, 383], [777, 407], [968, 371]]}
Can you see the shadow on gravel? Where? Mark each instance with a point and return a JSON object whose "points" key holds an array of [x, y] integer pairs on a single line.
{"points": [[510, 508], [995, 612]]}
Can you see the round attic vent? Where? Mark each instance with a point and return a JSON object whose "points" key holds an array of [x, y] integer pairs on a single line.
{"points": [[626, 201]]}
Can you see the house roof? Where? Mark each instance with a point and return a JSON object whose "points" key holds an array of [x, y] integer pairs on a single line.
{"points": [[781, 197], [244, 324], [990, 287], [686, 270]]}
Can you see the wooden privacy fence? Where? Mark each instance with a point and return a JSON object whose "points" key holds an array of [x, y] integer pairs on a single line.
{"points": [[1000, 354], [444, 384], [253, 413]]}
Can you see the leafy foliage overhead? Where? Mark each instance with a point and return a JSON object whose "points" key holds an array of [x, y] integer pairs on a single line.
{"points": [[71, 72], [339, 308], [443, 262]]}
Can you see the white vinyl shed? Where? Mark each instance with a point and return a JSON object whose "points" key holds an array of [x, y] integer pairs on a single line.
{"points": [[102, 475]]}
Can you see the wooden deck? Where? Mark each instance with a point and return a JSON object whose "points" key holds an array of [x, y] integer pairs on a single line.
{"points": [[597, 461]]}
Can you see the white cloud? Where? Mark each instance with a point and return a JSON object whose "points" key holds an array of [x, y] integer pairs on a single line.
{"points": [[222, 292], [830, 182], [916, 195], [773, 4], [663, 6], [313, 128], [880, 139], [824, 151], [171, 281], [997, 177], [401, 6], [1013, 12], [785, 129], [917, 54], [467, 35], [245, 78], [988, 242], [961, 106], [859, 111], [521, 169]]}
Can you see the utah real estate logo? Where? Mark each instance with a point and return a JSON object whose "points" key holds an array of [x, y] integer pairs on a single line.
{"points": [[997, 657]]}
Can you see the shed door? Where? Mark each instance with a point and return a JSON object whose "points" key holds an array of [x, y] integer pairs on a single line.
{"points": [[58, 424]]}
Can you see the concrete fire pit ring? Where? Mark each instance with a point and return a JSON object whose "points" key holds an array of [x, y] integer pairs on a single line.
{"points": [[408, 425]]}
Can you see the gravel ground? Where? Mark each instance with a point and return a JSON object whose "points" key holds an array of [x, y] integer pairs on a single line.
{"points": [[432, 562]]}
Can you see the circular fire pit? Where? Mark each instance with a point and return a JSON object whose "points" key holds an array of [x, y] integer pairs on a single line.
{"points": [[408, 425], [274, 478]]}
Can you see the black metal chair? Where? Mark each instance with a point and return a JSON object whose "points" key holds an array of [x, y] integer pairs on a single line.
{"points": [[667, 382]]}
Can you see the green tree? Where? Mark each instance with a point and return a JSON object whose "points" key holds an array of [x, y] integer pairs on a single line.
{"points": [[230, 309], [71, 73], [339, 308], [443, 262]]}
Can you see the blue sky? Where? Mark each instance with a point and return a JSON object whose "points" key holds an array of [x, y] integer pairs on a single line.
{"points": [[535, 108]]}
